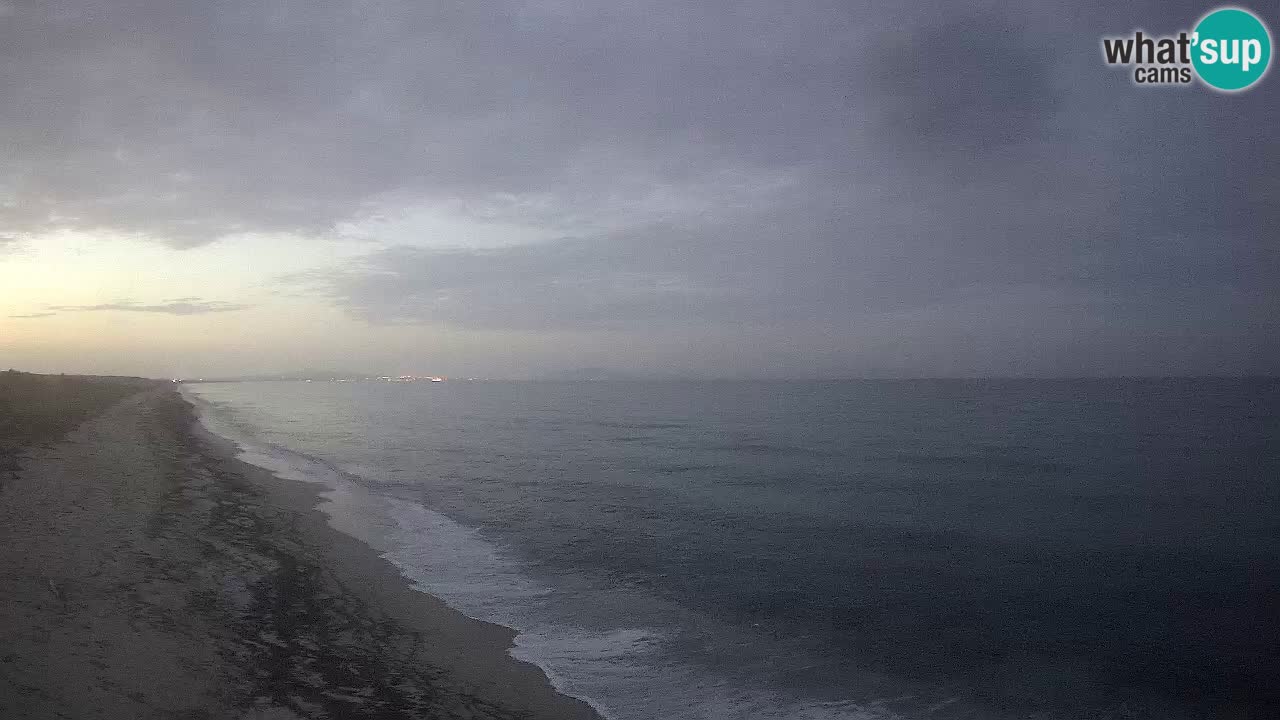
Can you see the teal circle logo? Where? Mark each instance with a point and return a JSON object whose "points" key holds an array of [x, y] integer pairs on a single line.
{"points": [[1232, 49]]}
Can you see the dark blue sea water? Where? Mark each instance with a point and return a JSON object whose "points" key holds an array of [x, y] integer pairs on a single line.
{"points": [[910, 549]]}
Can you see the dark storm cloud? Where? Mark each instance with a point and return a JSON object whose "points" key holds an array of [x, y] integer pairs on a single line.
{"points": [[185, 306], [973, 83], [928, 189], [187, 121]]}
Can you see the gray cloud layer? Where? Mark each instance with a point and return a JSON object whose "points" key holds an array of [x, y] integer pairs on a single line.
{"points": [[182, 306], [933, 189]]}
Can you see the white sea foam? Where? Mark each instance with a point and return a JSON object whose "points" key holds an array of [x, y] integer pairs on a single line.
{"points": [[620, 670]]}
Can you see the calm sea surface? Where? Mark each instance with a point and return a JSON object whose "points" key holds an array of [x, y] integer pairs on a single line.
{"points": [[915, 549]]}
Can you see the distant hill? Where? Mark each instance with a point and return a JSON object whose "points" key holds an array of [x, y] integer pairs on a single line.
{"points": [[297, 375], [592, 374]]}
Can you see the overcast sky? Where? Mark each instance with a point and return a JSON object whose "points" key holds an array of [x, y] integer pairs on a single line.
{"points": [[505, 188]]}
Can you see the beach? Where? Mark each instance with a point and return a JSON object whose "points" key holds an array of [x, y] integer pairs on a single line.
{"points": [[952, 550], [146, 573]]}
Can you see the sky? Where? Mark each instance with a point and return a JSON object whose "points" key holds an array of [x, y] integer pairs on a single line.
{"points": [[503, 188]]}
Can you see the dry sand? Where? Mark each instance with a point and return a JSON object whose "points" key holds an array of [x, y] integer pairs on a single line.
{"points": [[146, 573]]}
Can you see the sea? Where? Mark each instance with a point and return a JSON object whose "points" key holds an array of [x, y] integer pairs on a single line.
{"points": [[858, 550]]}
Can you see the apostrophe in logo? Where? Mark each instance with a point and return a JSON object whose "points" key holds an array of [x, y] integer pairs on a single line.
{"points": [[1229, 50], [1232, 49]]}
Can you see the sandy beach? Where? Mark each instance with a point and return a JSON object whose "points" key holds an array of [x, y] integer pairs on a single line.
{"points": [[146, 573]]}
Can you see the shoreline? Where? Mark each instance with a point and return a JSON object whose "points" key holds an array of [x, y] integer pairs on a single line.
{"points": [[153, 573]]}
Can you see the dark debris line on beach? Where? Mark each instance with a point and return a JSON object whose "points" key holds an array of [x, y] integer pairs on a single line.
{"points": [[307, 642], [146, 574]]}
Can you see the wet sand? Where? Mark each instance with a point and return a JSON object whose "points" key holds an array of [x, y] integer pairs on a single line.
{"points": [[146, 573]]}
